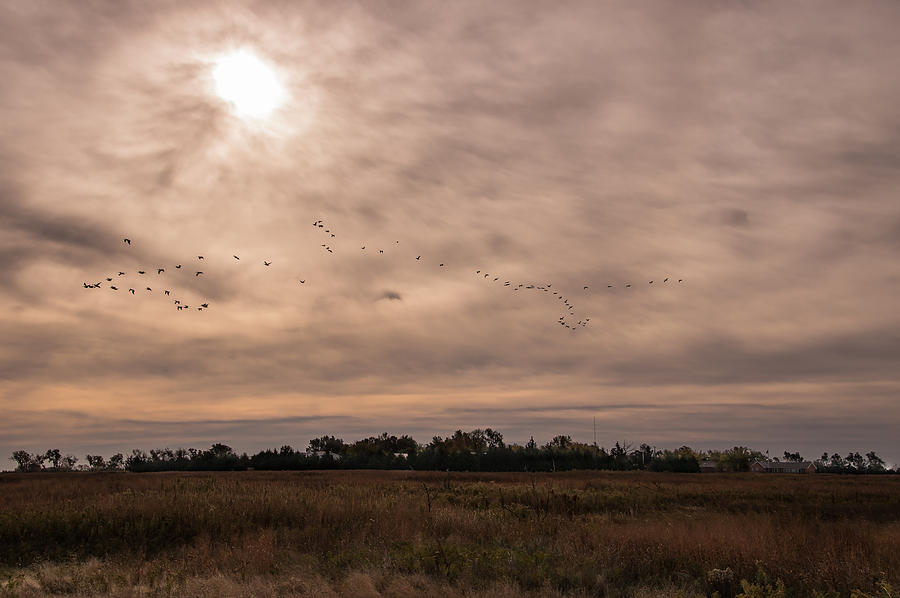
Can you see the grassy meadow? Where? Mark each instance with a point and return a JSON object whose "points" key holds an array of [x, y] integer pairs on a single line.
{"points": [[405, 534]]}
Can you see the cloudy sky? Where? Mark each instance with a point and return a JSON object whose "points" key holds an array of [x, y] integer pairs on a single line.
{"points": [[750, 149]]}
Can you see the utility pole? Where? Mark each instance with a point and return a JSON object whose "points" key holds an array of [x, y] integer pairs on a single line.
{"points": [[595, 431]]}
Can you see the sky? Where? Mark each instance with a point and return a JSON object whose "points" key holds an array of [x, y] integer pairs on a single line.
{"points": [[751, 150]]}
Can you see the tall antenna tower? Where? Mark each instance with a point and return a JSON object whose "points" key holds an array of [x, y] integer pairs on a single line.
{"points": [[595, 430]]}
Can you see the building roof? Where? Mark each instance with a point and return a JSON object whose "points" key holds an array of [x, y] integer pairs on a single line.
{"points": [[786, 464]]}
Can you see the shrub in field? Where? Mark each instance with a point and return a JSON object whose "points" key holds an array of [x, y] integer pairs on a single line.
{"points": [[761, 587], [884, 591], [720, 583]]}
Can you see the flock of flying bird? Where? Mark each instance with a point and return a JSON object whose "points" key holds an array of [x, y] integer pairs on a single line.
{"points": [[565, 320]]}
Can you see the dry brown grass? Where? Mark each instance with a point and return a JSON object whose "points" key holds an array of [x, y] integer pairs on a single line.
{"points": [[370, 533]]}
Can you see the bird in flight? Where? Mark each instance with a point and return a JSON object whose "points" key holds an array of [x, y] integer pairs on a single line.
{"points": [[665, 280], [149, 289], [131, 291], [160, 270], [441, 265], [418, 257], [198, 273], [302, 282], [265, 263], [199, 257], [141, 272], [114, 288], [235, 257], [121, 274], [127, 241], [178, 266], [167, 292], [585, 288], [109, 280]]}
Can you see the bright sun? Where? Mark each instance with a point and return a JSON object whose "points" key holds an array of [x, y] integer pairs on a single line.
{"points": [[248, 84]]}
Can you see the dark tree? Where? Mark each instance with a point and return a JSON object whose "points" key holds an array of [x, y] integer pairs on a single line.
{"points": [[794, 457]]}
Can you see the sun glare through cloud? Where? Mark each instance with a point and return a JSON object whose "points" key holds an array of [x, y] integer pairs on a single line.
{"points": [[248, 84]]}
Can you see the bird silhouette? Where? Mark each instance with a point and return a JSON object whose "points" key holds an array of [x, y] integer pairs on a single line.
{"points": [[167, 292], [197, 273], [627, 286], [204, 305], [199, 257], [160, 270], [679, 280], [127, 241], [109, 280], [363, 247], [114, 288], [149, 289], [141, 272], [265, 263], [235, 257], [131, 291], [302, 282], [178, 266], [418, 257], [585, 288], [381, 251], [665, 280], [121, 274], [441, 265], [177, 302], [179, 307]]}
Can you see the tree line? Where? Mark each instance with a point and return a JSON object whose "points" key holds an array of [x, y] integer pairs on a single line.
{"points": [[476, 450]]}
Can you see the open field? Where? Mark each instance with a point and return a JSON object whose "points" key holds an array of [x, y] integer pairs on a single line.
{"points": [[390, 533]]}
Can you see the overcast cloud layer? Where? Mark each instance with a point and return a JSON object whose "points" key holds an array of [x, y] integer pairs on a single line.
{"points": [[750, 149]]}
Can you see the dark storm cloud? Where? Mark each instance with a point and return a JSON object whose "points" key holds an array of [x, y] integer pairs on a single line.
{"points": [[749, 149]]}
